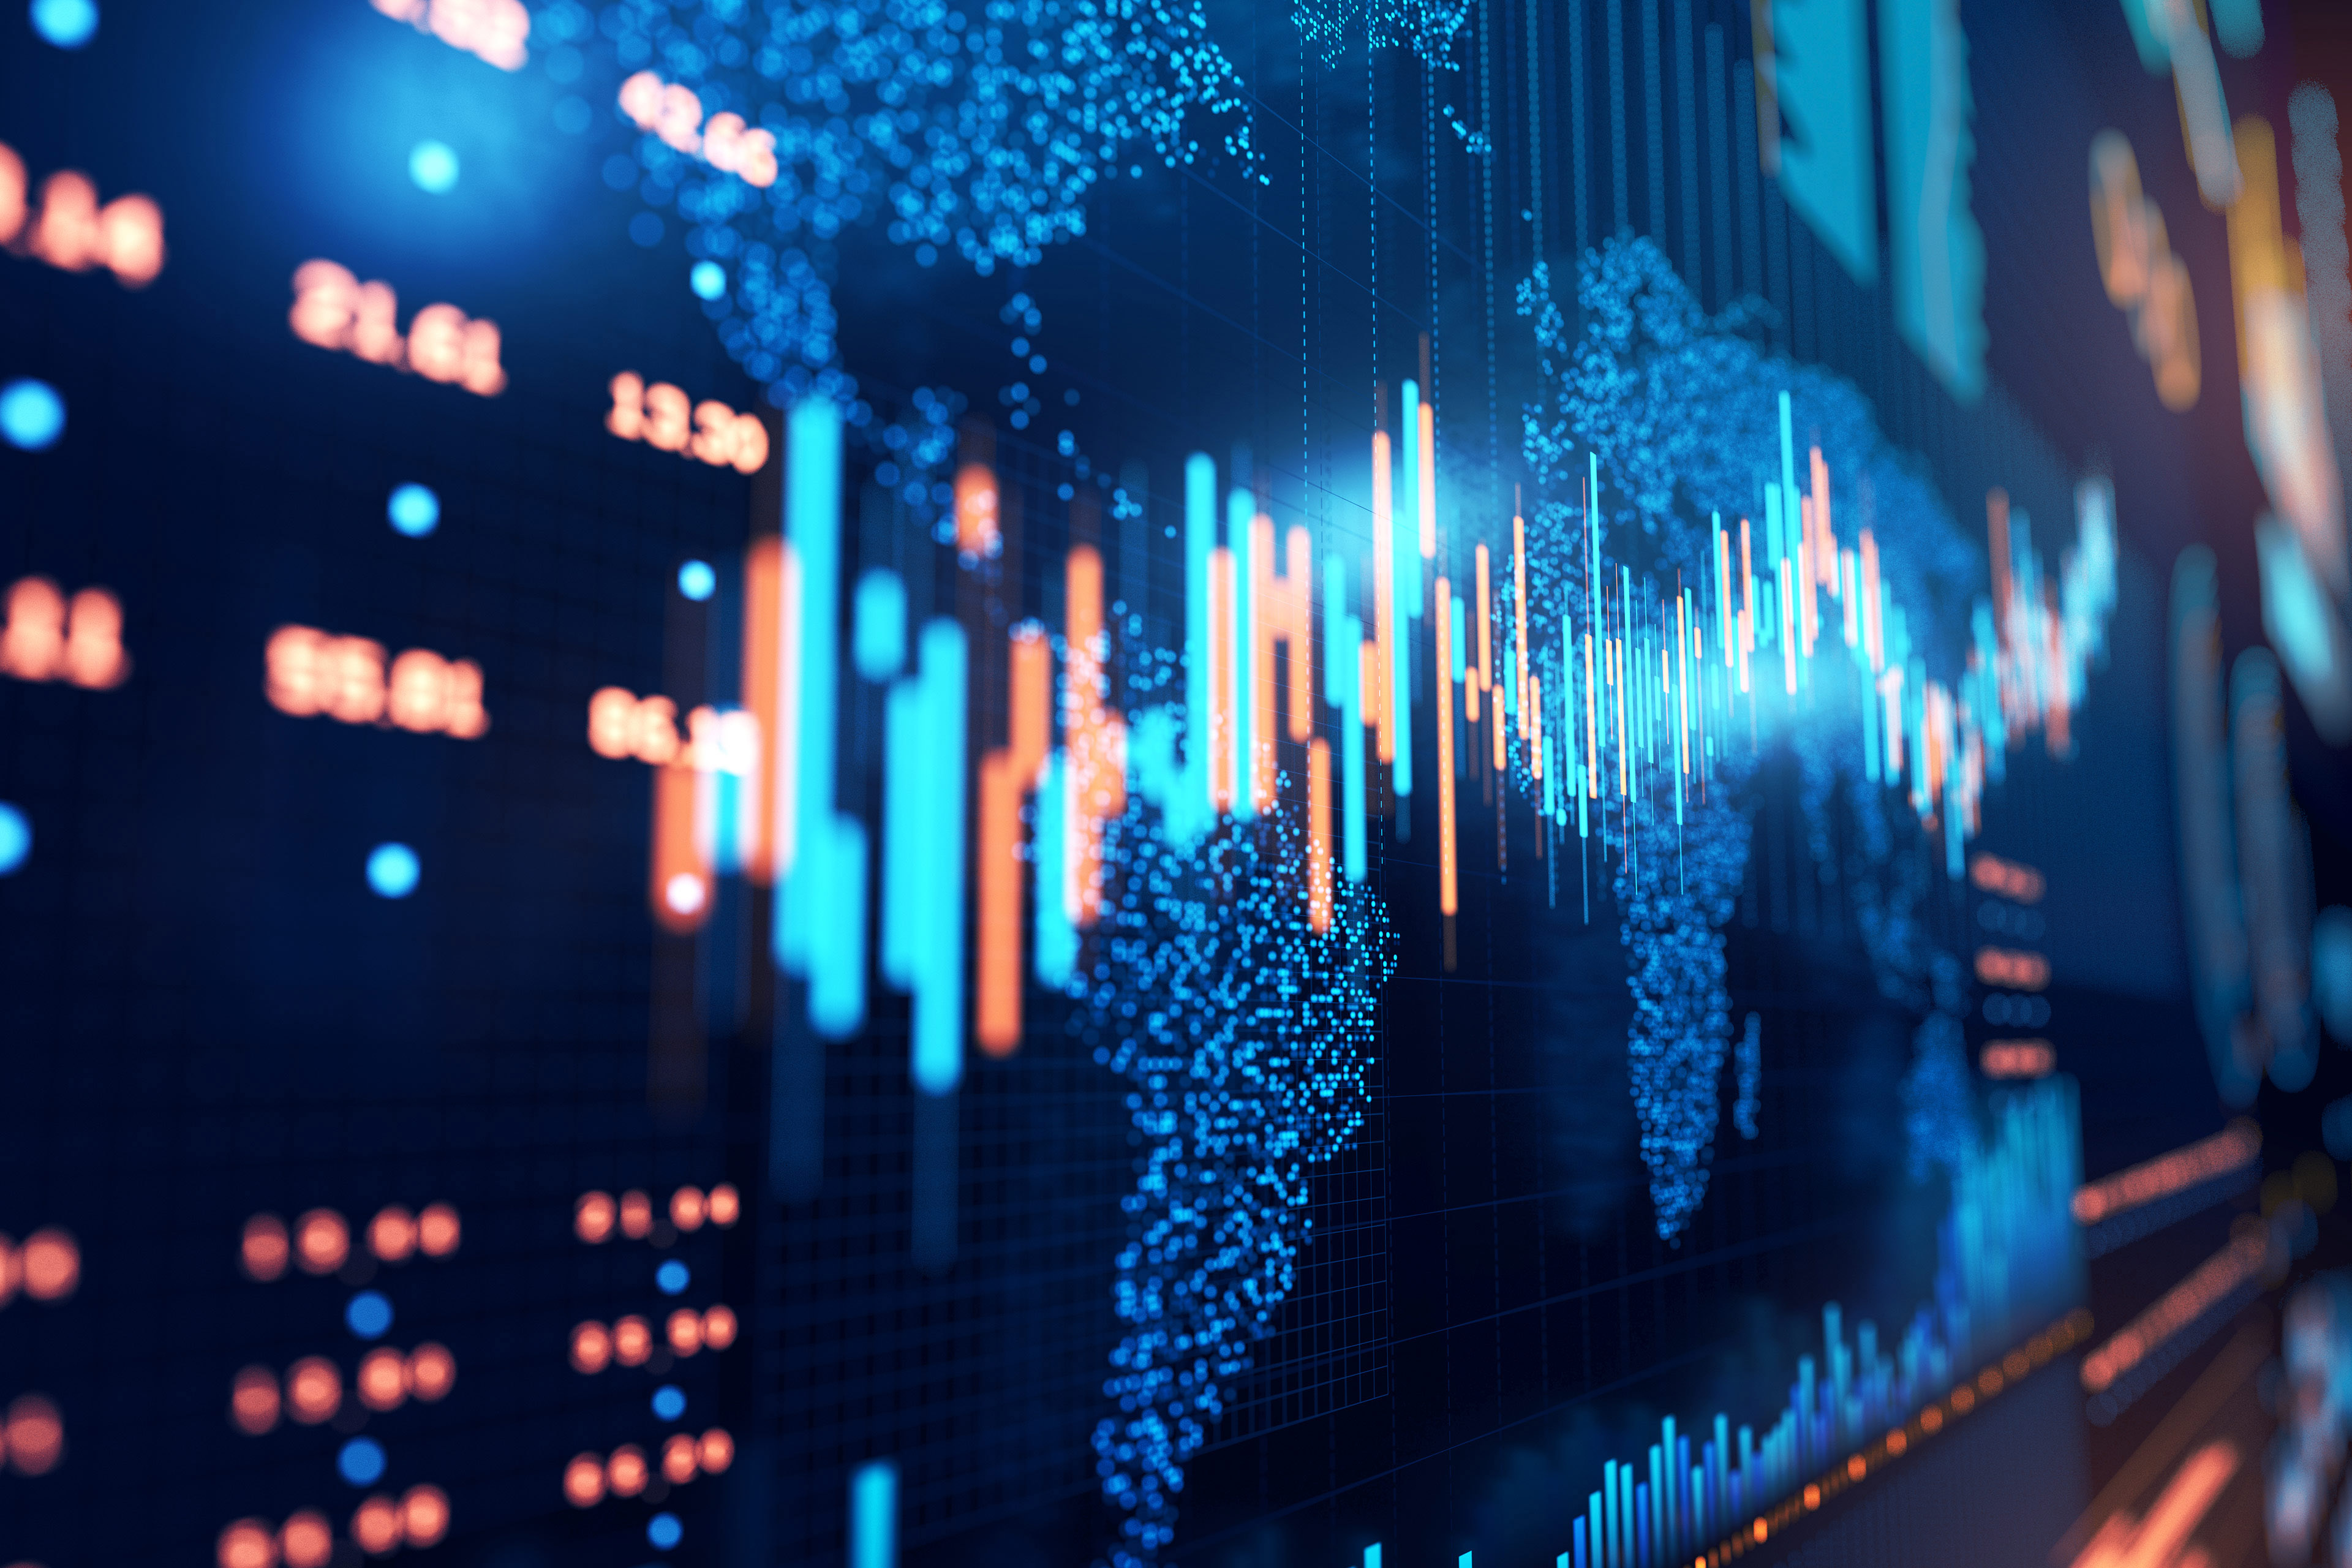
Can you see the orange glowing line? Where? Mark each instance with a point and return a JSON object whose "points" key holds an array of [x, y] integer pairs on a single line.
{"points": [[1221, 677], [1519, 612], [679, 883], [785, 748], [996, 928], [2232, 1148], [1448, 890], [1007, 773], [1097, 738], [2010, 879], [2019, 1058], [1269, 619], [1319, 832], [976, 513], [1428, 497], [1384, 595], [1367, 670], [1535, 722], [2176, 1308], [762, 584]]}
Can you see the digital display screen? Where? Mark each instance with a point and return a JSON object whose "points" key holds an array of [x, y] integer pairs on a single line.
{"points": [[1061, 782]]}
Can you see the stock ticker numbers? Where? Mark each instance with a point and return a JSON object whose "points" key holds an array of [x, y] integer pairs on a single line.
{"points": [[313, 1391], [347, 679], [674, 113], [334, 310], [495, 31], [51, 637], [46, 1267], [664, 417], [67, 227], [657, 1342]]}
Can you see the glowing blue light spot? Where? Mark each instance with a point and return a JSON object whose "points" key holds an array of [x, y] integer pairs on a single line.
{"points": [[664, 1532], [368, 1314], [671, 1276], [68, 24], [32, 415], [434, 166], [669, 1402], [414, 510], [15, 838], [572, 115], [708, 279], [360, 1461], [392, 871], [697, 580], [645, 229]]}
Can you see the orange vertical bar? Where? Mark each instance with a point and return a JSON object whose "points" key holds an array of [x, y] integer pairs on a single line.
{"points": [[1520, 613], [1318, 831], [1269, 618], [1029, 698], [1006, 774], [975, 511], [680, 886], [1299, 602], [1448, 892], [1723, 593], [1220, 679], [996, 960], [1808, 620], [762, 588], [1383, 597], [784, 742], [1367, 669], [1098, 770]]}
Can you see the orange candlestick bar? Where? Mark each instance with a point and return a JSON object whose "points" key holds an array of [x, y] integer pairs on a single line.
{"points": [[975, 512], [1006, 774], [1269, 601], [680, 890], [1997, 538], [1448, 891], [1428, 475], [1384, 593], [762, 628], [1220, 679], [1318, 833], [1871, 629], [1096, 737]]}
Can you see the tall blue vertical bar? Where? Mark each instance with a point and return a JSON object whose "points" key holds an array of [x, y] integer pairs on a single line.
{"points": [[874, 1515], [1196, 813], [812, 524], [1351, 750], [1057, 938], [1592, 1532], [1405, 512], [935, 878]]}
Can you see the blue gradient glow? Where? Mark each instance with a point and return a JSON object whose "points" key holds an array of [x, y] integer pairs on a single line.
{"points": [[433, 165], [32, 415], [414, 510], [392, 870]]}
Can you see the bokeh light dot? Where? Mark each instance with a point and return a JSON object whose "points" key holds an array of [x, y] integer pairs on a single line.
{"points": [[663, 1531], [414, 510], [67, 24], [708, 279], [697, 580], [32, 415], [434, 166], [360, 1461], [669, 1401], [671, 1276], [15, 838], [368, 1314], [392, 870]]}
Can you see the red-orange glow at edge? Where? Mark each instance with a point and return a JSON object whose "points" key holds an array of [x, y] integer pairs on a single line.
{"points": [[1006, 774]]}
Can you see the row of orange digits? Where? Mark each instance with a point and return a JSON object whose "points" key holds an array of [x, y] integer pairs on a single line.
{"points": [[661, 415], [334, 310], [68, 229]]}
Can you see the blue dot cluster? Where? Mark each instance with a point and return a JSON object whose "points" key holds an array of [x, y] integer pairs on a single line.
{"points": [[978, 126], [1426, 26], [1244, 1036], [1678, 405]]}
